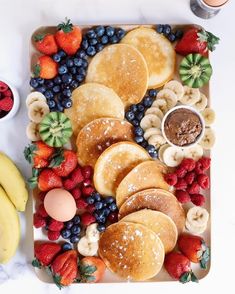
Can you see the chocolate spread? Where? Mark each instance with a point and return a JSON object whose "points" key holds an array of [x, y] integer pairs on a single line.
{"points": [[182, 127]]}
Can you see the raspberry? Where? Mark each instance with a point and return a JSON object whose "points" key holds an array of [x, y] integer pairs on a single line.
{"points": [[189, 178], [182, 196], [38, 221], [86, 191], [171, 179], [6, 104], [55, 225], [76, 176], [181, 172], [87, 183], [206, 162], [8, 93], [87, 219], [81, 203], [42, 211], [199, 168], [198, 199], [87, 171], [203, 181], [91, 208], [181, 184], [53, 235], [76, 192], [69, 184], [194, 188], [188, 164], [113, 217]]}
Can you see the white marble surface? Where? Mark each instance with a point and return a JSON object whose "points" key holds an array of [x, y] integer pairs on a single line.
{"points": [[18, 18]]}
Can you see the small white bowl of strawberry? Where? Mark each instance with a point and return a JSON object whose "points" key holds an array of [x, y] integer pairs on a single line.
{"points": [[9, 100]]}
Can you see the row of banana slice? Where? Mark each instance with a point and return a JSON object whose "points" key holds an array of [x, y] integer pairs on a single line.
{"points": [[88, 244], [37, 108], [196, 220]]}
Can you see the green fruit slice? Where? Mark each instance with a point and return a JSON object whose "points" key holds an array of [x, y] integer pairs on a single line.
{"points": [[55, 129], [195, 70]]}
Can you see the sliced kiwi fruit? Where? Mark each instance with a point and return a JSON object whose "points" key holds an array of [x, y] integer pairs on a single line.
{"points": [[195, 70], [55, 129]]}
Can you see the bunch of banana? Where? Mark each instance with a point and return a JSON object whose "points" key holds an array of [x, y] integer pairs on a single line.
{"points": [[13, 197]]}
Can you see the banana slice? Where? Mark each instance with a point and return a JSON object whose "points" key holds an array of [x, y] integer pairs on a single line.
{"points": [[33, 97], [202, 102], [191, 96], [87, 248], [194, 152], [156, 140], [194, 229], [156, 111], [176, 87], [208, 140], [209, 116], [197, 216], [161, 151], [92, 234], [151, 131], [161, 104], [32, 131], [149, 121], [169, 96], [173, 156], [37, 110]]}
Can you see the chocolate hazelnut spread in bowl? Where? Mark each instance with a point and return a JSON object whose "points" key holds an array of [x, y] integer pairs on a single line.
{"points": [[183, 126]]}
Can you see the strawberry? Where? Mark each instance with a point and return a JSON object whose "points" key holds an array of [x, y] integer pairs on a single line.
{"points": [[6, 104], [178, 266], [198, 199], [55, 226], [38, 221], [171, 179], [196, 40], [48, 180], [203, 181], [42, 211], [68, 37], [46, 252], [182, 196], [46, 44], [39, 162], [195, 249], [91, 269], [64, 268], [194, 188], [64, 162], [53, 235], [46, 67], [87, 219]]}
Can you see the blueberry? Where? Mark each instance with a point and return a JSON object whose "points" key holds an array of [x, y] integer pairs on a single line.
{"points": [[100, 31], [93, 42], [81, 54], [98, 205], [40, 81], [113, 206], [76, 230], [139, 115], [85, 44], [41, 89], [104, 40], [74, 84], [114, 39], [91, 51], [144, 144], [66, 246], [56, 57], [81, 71], [129, 115], [101, 219], [120, 33], [59, 107], [67, 78], [76, 220], [160, 28], [65, 233], [33, 83], [69, 62], [135, 123], [148, 101], [73, 70], [139, 131], [90, 200], [150, 149], [49, 84], [99, 47], [98, 213], [62, 54], [140, 107], [154, 154], [69, 224], [152, 93], [56, 89], [109, 31], [108, 199], [67, 92], [139, 139], [60, 97], [84, 63], [65, 86], [171, 37], [166, 29], [51, 103], [74, 239], [62, 69], [96, 196], [133, 108], [49, 94], [79, 78], [67, 103], [91, 34], [106, 211], [178, 34], [101, 228], [78, 61], [57, 80]]}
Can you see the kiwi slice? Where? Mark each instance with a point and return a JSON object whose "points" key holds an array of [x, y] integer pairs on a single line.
{"points": [[55, 129], [195, 70]]}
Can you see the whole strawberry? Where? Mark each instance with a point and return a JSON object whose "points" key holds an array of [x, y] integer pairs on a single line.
{"points": [[46, 67], [64, 162], [194, 247], [178, 266], [45, 253], [45, 43]]}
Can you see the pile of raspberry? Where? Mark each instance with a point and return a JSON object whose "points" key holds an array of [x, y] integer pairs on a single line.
{"points": [[189, 179], [6, 99]]}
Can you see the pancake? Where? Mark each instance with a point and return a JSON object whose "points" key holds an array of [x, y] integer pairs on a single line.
{"points": [[132, 251], [114, 164], [158, 222], [158, 52], [122, 68], [92, 101], [98, 135], [155, 199], [148, 174]]}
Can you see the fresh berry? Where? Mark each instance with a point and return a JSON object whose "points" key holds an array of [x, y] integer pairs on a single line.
{"points": [[62, 70], [193, 189], [203, 181], [101, 228], [91, 269], [188, 164], [90, 208], [87, 171], [76, 230], [130, 115], [182, 196], [77, 176], [38, 221], [91, 51], [6, 104], [64, 162], [74, 239], [68, 225], [87, 191], [180, 172], [97, 196], [55, 225], [46, 44], [106, 211], [198, 199], [148, 101], [7, 93], [181, 184], [153, 93], [76, 219], [139, 139], [38, 151], [67, 103], [178, 34], [65, 233], [98, 205], [66, 246], [69, 184], [39, 162], [108, 199], [199, 169], [205, 162], [48, 180], [90, 200], [113, 217], [139, 131], [42, 211], [135, 122], [76, 192], [46, 252], [87, 219], [53, 235], [3, 87], [113, 206], [189, 177], [166, 29], [194, 248], [81, 203], [171, 179], [87, 182], [46, 67], [171, 37]]}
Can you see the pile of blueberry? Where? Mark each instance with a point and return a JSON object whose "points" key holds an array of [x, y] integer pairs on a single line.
{"points": [[167, 31], [106, 210], [95, 39], [72, 229], [72, 72], [135, 114]]}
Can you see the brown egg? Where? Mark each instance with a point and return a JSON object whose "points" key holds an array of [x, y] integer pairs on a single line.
{"points": [[60, 205]]}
